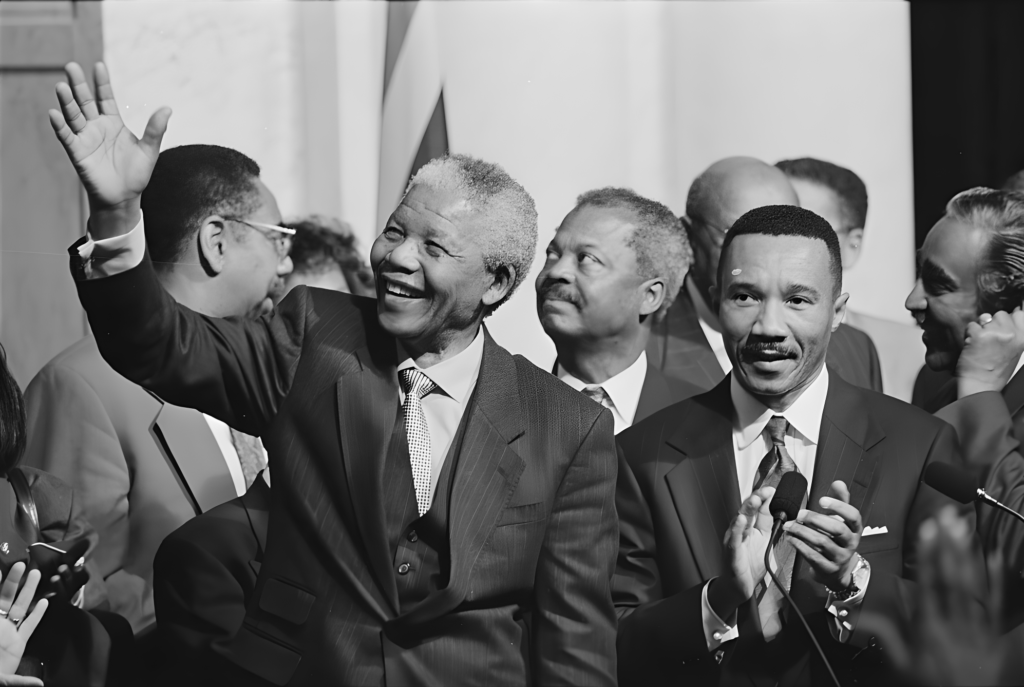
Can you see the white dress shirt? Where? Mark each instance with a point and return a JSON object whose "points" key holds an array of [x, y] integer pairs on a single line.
{"points": [[623, 390], [709, 324], [118, 254], [444, 406], [751, 443]]}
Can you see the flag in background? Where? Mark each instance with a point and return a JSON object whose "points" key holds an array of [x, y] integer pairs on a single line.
{"points": [[413, 128]]}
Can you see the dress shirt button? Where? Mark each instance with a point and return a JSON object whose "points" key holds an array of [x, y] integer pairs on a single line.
{"points": [[412, 536], [403, 568]]}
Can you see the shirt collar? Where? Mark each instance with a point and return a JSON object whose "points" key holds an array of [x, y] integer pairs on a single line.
{"points": [[623, 389], [804, 415], [455, 376]]}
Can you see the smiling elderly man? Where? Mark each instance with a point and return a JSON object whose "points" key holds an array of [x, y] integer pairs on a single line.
{"points": [[442, 511], [704, 470]]}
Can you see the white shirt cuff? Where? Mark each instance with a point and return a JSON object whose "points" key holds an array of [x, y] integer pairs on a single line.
{"points": [[844, 619], [716, 630], [108, 257]]}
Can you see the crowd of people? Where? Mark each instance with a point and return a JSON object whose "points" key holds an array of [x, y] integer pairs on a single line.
{"points": [[444, 512]]}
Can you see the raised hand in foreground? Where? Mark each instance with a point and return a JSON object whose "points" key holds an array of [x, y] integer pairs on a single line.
{"points": [[15, 626], [112, 163], [954, 639]]}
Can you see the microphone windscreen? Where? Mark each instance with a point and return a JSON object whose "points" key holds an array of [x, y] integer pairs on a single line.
{"points": [[952, 481], [789, 495]]}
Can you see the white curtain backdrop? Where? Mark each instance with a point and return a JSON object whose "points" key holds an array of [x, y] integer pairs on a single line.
{"points": [[568, 96]]}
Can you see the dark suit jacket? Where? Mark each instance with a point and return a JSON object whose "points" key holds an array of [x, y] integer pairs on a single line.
{"points": [[679, 348], [140, 467], [678, 493], [990, 427], [204, 577], [532, 525]]}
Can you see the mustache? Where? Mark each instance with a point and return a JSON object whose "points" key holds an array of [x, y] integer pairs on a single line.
{"points": [[766, 349], [553, 291]]}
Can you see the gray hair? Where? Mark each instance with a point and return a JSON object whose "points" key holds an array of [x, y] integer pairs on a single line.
{"points": [[507, 214], [1000, 278], [659, 241]]}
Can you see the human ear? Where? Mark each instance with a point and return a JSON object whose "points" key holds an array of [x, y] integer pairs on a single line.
{"points": [[212, 244], [502, 279]]}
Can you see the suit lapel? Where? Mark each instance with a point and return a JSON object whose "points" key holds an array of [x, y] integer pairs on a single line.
{"points": [[704, 485], [367, 404], [654, 395], [486, 476], [194, 455], [848, 433]]}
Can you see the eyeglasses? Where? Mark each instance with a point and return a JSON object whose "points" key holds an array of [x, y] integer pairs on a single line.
{"points": [[273, 232]]}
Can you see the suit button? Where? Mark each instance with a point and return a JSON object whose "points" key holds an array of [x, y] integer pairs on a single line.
{"points": [[403, 568], [412, 536]]}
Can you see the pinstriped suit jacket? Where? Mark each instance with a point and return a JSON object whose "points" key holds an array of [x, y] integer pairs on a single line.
{"points": [[532, 525], [680, 350]]}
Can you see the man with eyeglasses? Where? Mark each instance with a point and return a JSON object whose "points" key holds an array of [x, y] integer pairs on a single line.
{"points": [[140, 466], [687, 344]]}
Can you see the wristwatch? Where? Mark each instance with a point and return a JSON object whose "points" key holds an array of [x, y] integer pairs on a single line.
{"points": [[858, 580]]}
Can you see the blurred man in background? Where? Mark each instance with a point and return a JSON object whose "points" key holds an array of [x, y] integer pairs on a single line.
{"points": [[688, 344], [611, 271], [143, 467], [840, 196], [325, 255]]}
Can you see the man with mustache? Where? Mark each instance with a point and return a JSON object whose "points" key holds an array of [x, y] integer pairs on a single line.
{"points": [[611, 271], [967, 300], [142, 466], [688, 343], [695, 481], [442, 511]]}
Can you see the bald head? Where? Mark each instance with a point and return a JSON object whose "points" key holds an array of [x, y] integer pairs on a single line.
{"points": [[718, 197]]}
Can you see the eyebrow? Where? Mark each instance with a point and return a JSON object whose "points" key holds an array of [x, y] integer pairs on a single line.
{"points": [[933, 274]]}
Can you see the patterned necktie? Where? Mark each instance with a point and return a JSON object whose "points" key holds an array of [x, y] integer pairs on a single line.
{"points": [[774, 465], [250, 455], [598, 395], [417, 385]]}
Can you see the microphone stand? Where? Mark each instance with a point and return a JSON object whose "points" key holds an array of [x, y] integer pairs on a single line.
{"points": [[983, 496], [776, 535]]}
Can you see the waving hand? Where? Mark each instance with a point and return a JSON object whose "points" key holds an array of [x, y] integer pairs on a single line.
{"points": [[112, 163]]}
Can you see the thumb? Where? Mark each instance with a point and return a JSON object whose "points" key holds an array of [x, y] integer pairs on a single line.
{"points": [[838, 490], [156, 127]]}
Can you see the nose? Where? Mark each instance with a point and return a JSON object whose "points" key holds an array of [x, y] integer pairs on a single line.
{"points": [[561, 270], [916, 301], [771, 320], [403, 257]]}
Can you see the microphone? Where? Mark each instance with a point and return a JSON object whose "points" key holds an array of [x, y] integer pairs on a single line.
{"points": [[784, 506], [960, 485]]}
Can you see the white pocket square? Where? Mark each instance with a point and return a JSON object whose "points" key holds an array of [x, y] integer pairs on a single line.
{"points": [[868, 531]]}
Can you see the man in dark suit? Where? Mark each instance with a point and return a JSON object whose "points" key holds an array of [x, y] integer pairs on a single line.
{"points": [[967, 299], [691, 607], [140, 466], [612, 269], [204, 577], [687, 343], [442, 511]]}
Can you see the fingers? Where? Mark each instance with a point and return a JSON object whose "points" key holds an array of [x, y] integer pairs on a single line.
{"points": [[839, 491], [63, 131], [850, 515], [10, 587], [104, 91], [827, 525], [28, 592], [80, 87], [155, 130], [70, 109], [30, 623]]}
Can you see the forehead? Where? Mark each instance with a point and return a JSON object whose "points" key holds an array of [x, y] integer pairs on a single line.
{"points": [[605, 227], [433, 210], [778, 260], [956, 247], [821, 200]]}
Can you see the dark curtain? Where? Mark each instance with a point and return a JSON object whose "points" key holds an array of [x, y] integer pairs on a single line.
{"points": [[967, 65]]}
